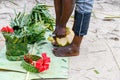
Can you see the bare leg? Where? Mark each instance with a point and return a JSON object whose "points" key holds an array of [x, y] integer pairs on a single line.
{"points": [[58, 12], [63, 10], [67, 8]]}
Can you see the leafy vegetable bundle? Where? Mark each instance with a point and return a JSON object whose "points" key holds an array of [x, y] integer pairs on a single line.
{"points": [[40, 13], [34, 25]]}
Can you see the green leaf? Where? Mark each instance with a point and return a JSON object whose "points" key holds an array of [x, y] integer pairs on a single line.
{"points": [[96, 72]]}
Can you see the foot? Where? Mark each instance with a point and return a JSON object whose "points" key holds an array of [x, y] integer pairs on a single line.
{"points": [[60, 32], [66, 51]]}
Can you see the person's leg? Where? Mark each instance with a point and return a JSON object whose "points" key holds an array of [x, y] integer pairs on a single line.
{"points": [[80, 28], [58, 10], [67, 8], [58, 13], [63, 9]]}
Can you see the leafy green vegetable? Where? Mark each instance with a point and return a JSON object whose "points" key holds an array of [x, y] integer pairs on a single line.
{"points": [[36, 33], [40, 13], [34, 25]]}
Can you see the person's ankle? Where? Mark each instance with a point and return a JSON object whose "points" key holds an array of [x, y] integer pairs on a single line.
{"points": [[76, 47], [62, 25]]}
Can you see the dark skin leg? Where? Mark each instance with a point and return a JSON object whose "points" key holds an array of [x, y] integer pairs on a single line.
{"points": [[70, 50], [60, 31], [58, 11], [66, 11], [63, 10]]}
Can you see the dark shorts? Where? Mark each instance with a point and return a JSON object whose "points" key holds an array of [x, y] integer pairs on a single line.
{"points": [[83, 11]]}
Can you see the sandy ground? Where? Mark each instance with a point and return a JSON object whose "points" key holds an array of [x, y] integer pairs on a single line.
{"points": [[100, 50]]}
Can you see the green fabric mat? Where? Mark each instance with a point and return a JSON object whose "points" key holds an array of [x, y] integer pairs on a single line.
{"points": [[58, 66]]}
